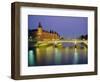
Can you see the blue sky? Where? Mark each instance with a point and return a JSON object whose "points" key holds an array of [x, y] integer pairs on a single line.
{"points": [[65, 26]]}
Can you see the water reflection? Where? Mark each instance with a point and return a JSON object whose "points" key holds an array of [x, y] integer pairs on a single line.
{"points": [[52, 55], [75, 56], [31, 58], [58, 56]]}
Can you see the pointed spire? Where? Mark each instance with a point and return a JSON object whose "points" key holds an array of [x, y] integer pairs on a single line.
{"points": [[40, 25]]}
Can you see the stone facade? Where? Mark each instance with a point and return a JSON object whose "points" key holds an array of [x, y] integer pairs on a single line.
{"points": [[40, 34]]}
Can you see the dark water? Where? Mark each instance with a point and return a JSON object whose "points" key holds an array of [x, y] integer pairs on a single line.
{"points": [[51, 55]]}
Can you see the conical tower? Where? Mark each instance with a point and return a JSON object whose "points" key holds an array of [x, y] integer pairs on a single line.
{"points": [[39, 29], [39, 26]]}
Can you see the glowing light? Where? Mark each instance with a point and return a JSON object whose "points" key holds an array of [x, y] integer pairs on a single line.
{"points": [[55, 42]]}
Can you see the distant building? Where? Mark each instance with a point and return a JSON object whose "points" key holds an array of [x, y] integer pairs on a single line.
{"points": [[40, 34]]}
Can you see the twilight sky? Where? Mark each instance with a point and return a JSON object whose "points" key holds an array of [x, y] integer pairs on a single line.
{"points": [[67, 27]]}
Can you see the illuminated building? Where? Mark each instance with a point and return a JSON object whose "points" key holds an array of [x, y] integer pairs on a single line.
{"points": [[40, 34]]}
